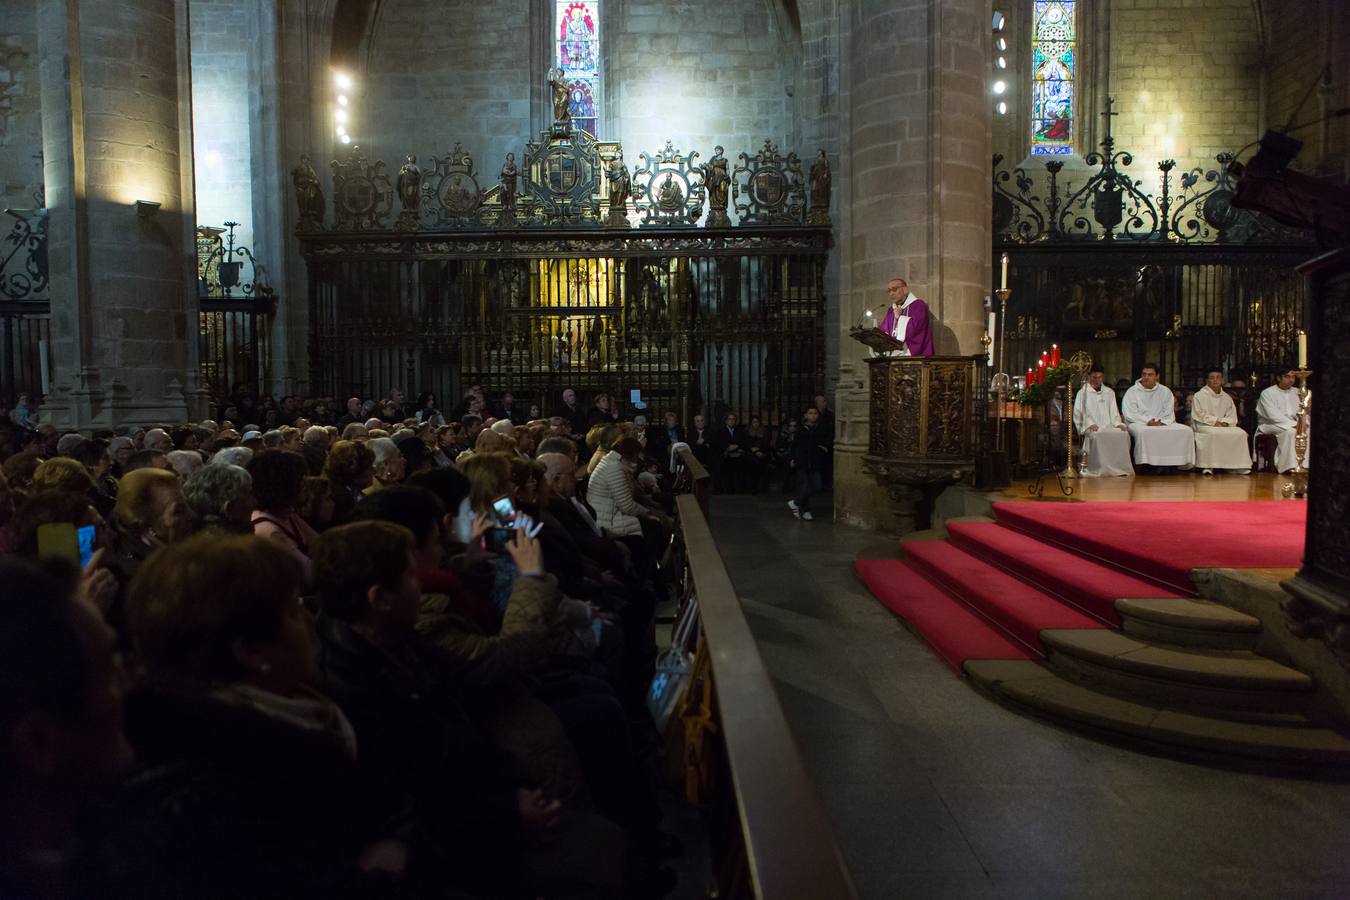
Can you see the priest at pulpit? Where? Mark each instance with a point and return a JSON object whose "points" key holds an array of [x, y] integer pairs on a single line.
{"points": [[907, 320]]}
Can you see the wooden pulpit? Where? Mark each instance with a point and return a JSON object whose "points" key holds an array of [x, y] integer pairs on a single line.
{"points": [[924, 424]]}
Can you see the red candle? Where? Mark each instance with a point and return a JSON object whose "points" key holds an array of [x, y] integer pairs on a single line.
{"points": [[1054, 354], [1031, 376], [1040, 373]]}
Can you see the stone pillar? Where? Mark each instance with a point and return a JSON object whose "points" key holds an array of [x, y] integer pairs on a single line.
{"points": [[116, 128], [917, 151]]}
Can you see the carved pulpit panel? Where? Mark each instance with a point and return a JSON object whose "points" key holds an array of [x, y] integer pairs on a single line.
{"points": [[922, 414]]}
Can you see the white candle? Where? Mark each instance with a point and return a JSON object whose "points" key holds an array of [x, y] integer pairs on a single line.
{"points": [[1302, 350], [993, 340], [1003, 281]]}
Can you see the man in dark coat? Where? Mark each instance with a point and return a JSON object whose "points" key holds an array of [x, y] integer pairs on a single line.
{"points": [[812, 449]]}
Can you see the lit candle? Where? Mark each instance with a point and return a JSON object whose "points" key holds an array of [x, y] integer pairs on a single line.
{"points": [[1003, 281], [1054, 354], [1302, 349], [1040, 372], [1031, 377]]}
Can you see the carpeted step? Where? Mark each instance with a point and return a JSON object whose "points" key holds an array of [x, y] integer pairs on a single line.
{"points": [[1188, 622], [1164, 541], [1071, 577], [1226, 683], [1013, 605], [954, 631], [1030, 686]]}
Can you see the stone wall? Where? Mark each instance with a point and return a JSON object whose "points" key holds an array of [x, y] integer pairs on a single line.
{"points": [[1186, 77], [700, 73], [20, 108], [223, 36], [441, 71]]}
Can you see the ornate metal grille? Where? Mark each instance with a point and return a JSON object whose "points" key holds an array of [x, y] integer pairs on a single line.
{"points": [[693, 320]]}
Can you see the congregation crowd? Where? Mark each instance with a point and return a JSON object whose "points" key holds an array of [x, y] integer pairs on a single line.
{"points": [[378, 651]]}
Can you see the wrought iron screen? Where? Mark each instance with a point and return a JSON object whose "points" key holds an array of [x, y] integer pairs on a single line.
{"points": [[572, 271], [1178, 276], [25, 309], [693, 320]]}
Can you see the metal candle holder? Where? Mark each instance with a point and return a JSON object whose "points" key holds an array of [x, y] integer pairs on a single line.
{"points": [[1297, 485]]}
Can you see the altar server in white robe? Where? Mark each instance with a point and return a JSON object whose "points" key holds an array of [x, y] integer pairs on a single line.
{"points": [[1148, 410], [1219, 442], [1097, 418], [1277, 414]]}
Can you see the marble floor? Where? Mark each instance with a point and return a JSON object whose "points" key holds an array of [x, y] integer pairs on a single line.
{"points": [[936, 791]]}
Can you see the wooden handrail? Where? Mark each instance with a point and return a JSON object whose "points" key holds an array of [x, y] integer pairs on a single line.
{"points": [[790, 850], [701, 482]]}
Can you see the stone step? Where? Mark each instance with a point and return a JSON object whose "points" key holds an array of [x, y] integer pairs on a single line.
{"points": [[1187, 622], [1234, 684], [1035, 688]]}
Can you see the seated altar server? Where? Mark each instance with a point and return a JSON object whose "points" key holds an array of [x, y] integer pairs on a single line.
{"points": [[1097, 418], [1219, 442], [1149, 413], [1277, 414]]}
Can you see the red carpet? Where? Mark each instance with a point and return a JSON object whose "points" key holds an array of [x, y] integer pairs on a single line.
{"points": [[1164, 541], [952, 629], [990, 589]]}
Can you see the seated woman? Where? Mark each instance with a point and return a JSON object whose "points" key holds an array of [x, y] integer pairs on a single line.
{"points": [[247, 782], [221, 496], [278, 482], [389, 465], [151, 512], [350, 469], [61, 734], [402, 695]]}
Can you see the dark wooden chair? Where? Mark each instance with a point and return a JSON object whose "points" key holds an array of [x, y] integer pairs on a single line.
{"points": [[1264, 446]]}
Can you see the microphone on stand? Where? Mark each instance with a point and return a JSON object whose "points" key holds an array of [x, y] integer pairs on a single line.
{"points": [[868, 319]]}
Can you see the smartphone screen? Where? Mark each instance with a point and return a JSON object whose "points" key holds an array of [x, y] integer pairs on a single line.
{"points": [[86, 536], [57, 540], [504, 512]]}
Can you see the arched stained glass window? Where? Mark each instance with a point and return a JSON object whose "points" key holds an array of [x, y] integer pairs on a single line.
{"points": [[1054, 67], [578, 35]]}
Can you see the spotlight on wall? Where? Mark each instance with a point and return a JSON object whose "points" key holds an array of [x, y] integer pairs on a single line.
{"points": [[345, 139], [1000, 87], [146, 209], [343, 80], [1000, 44], [1002, 108], [341, 115], [999, 20], [1001, 62], [342, 99]]}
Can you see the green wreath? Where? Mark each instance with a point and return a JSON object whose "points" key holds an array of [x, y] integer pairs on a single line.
{"points": [[1039, 394]]}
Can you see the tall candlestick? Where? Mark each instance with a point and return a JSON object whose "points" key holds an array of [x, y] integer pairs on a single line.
{"points": [[1302, 349], [1003, 281]]}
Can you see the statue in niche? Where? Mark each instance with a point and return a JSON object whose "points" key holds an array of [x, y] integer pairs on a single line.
{"points": [[409, 193], [820, 190], [718, 182], [620, 186], [562, 98], [669, 198], [508, 178], [459, 199], [651, 311], [308, 196]]}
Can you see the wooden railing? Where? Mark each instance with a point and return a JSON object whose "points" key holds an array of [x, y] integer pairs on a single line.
{"points": [[769, 834], [692, 478]]}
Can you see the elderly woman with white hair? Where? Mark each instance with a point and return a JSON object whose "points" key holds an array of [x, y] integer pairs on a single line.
{"points": [[233, 456], [157, 439], [221, 495], [184, 462], [390, 466]]}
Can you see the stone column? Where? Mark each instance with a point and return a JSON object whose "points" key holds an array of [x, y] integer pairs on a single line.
{"points": [[917, 148], [116, 128]]}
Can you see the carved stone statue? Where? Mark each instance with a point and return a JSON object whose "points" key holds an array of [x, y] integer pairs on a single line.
{"points": [[562, 109], [620, 186], [669, 198], [308, 196], [820, 190], [718, 183], [409, 186], [508, 177]]}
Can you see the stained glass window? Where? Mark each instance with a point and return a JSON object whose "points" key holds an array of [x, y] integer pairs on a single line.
{"points": [[578, 33], [1054, 63]]}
